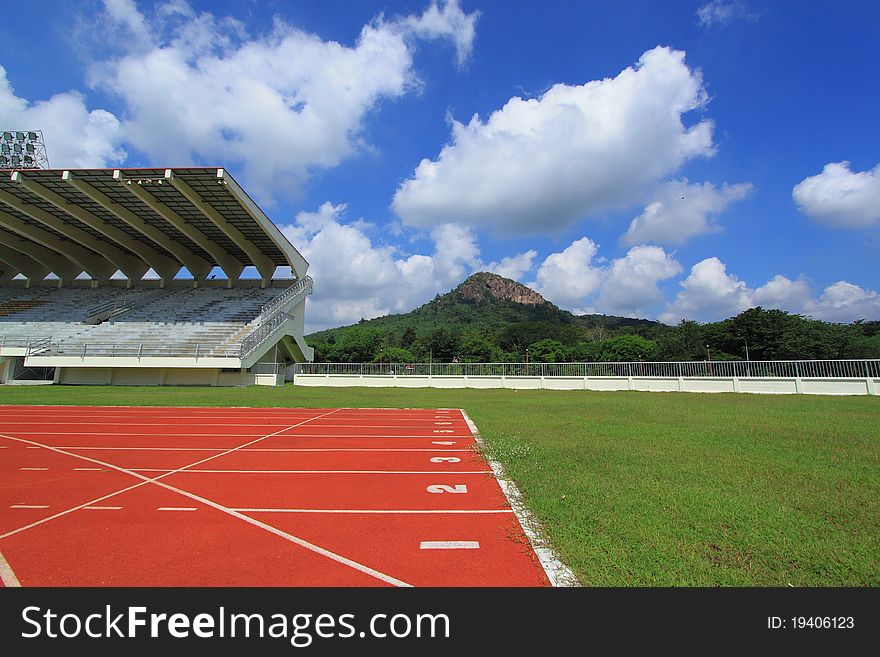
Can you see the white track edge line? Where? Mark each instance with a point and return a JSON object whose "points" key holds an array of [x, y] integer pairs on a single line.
{"points": [[557, 572], [7, 575]]}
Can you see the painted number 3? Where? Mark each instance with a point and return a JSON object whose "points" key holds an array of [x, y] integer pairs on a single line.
{"points": [[443, 488]]}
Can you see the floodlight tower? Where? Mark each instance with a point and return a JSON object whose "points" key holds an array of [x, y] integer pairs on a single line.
{"points": [[23, 149]]}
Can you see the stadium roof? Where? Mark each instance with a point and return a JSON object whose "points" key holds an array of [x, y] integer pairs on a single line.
{"points": [[99, 221]]}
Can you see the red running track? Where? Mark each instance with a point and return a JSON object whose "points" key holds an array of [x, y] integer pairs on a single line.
{"points": [[124, 496]]}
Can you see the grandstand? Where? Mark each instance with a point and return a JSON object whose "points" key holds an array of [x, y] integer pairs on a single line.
{"points": [[140, 277]]}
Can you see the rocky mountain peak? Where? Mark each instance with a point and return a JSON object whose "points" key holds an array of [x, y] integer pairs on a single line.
{"points": [[482, 286]]}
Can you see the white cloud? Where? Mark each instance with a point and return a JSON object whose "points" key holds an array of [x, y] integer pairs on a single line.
{"points": [[679, 211], [74, 135], [577, 280], [199, 89], [514, 267], [356, 278], [540, 164], [840, 198], [845, 302], [630, 284], [448, 21], [568, 277], [783, 294], [723, 12], [709, 293]]}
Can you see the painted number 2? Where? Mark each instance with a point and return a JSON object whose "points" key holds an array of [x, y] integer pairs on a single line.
{"points": [[443, 488]]}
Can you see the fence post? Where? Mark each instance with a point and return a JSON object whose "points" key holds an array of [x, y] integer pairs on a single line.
{"points": [[869, 380], [797, 378], [629, 379]]}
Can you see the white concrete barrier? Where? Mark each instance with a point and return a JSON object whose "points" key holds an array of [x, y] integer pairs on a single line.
{"points": [[778, 385]]}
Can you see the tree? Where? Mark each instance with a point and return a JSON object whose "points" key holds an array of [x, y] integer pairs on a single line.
{"points": [[684, 342], [627, 348], [478, 349], [408, 337], [547, 351], [394, 355], [588, 352], [443, 343], [358, 345]]}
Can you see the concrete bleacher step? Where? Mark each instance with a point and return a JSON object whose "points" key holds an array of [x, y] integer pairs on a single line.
{"points": [[181, 318]]}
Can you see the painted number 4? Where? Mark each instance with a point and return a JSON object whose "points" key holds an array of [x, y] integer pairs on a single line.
{"points": [[443, 488]]}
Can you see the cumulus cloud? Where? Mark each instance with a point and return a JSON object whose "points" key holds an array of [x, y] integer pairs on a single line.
{"points": [[630, 283], [577, 280], [783, 294], [539, 164], [515, 266], [75, 136], [839, 197], [709, 293], [198, 89], [447, 21], [358, 278], [845, 302], [679, 211], [568, 277], [723, 12]]}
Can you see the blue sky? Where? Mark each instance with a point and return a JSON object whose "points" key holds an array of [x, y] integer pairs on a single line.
{"points": [[662, 160]]}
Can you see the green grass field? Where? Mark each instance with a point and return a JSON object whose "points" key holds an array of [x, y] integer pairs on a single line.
{"points": [[647, 489]]}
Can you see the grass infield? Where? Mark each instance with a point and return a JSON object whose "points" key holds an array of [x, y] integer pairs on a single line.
{"points": [[646, 489]]}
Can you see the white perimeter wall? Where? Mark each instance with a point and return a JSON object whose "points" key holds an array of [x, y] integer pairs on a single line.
{"points": [[160, 376], [825, 386]]}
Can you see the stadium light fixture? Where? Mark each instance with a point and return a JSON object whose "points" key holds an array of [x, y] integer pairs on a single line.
{"points": [[23, 149]]}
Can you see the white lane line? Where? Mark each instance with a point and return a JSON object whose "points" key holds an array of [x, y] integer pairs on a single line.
{"points": [[145, 480], [390, 511], [177, 508], [368, 435], [269, 449], [252, 521], [102, 508], [391, 472], [7, 576], [144, 434], [29, 506], [224, 435], [6, 425], [34, 469], [87, 469], [449, 545]]}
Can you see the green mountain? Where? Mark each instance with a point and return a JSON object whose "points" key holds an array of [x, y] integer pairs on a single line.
{"points": [[487, 317]]}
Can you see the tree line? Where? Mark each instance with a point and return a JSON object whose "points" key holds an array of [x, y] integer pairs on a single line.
{"points": [[757, 333]]}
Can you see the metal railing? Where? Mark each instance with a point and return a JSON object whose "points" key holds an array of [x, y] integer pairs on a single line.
{"points": [[856, 369], [113, 308], [267, 324], [138, 350], [283, 298], [17, 342]]}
